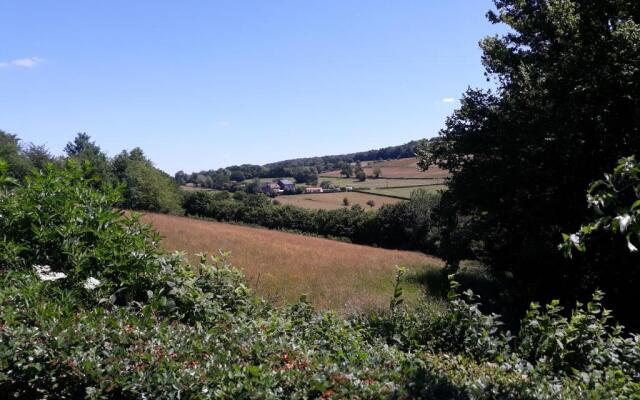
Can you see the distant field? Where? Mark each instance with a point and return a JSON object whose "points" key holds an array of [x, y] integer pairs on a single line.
{"points": [[333, 201], [406, 192], [400, 168], [372, 183], [195, 189], [263, 180], [281, 266]]}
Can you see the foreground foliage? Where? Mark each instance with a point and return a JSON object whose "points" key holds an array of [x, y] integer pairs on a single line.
{"points": [[114, 317]]}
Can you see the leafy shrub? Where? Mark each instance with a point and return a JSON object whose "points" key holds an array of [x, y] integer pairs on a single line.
{"points": [[585, 341], [57, 220]]}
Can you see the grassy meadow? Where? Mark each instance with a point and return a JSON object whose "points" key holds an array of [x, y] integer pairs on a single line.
{"points": [[405, 191], [281, 266], [334, 201]]}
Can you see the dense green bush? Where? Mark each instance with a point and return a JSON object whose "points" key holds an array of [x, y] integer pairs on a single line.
{"points": [[58, 221], [196, 330]]}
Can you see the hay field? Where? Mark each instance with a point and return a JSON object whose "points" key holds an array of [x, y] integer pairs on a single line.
{"points": [[281, 266], [333, 201]]}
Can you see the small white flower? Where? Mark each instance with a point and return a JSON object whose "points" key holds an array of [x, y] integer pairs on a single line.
{"points": [[575, 239], [91, 283], [45, 274], [595, 201], [631, 247], [624, 221]]}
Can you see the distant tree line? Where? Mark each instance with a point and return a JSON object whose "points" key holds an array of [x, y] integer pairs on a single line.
{"points": [[330, 163], [303, 170], [233, 178], [406, 225], [143, 186]]}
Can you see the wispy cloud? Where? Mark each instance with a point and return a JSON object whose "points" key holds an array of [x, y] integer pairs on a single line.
{"points": [[448, 100], [224, 123], [28, 62]]}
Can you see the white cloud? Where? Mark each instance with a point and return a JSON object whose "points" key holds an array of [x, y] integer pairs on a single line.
{"points": [[224, 123], [28, 62], [448, 100]]}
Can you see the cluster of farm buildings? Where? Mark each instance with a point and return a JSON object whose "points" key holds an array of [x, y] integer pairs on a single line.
{"points": [[279, 186]]}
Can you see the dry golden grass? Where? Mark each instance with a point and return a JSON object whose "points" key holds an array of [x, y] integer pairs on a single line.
{"points": [[281, 266], [333, 201]]}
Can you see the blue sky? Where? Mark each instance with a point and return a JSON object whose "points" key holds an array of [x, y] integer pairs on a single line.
{"points": [[205, 84]]}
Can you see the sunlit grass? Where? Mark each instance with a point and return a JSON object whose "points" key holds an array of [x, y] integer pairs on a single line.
{"points": [[281, 266]]}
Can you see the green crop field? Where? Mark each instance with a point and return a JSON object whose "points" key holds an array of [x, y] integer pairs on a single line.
{"points": [[405, 192], [371, 183]]}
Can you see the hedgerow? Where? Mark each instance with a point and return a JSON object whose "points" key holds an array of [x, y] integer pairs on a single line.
{"points": [[403, 225], [158, 326]]}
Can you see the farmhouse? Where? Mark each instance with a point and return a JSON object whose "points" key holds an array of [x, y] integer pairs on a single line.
{"points": [[313, 190], [285, 184], [270, 187]]}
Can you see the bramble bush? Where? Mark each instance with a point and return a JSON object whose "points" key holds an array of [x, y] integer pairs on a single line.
{"points": [[197, 331]]}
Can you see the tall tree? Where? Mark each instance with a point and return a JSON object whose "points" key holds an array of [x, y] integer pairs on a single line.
{"points": [[567, 106], [17, 164], [38, 155], [145, 186], [346, 169], [84, 150]]}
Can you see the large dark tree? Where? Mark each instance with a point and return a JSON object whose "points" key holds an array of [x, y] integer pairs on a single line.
{"points": [[566, 107]]}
